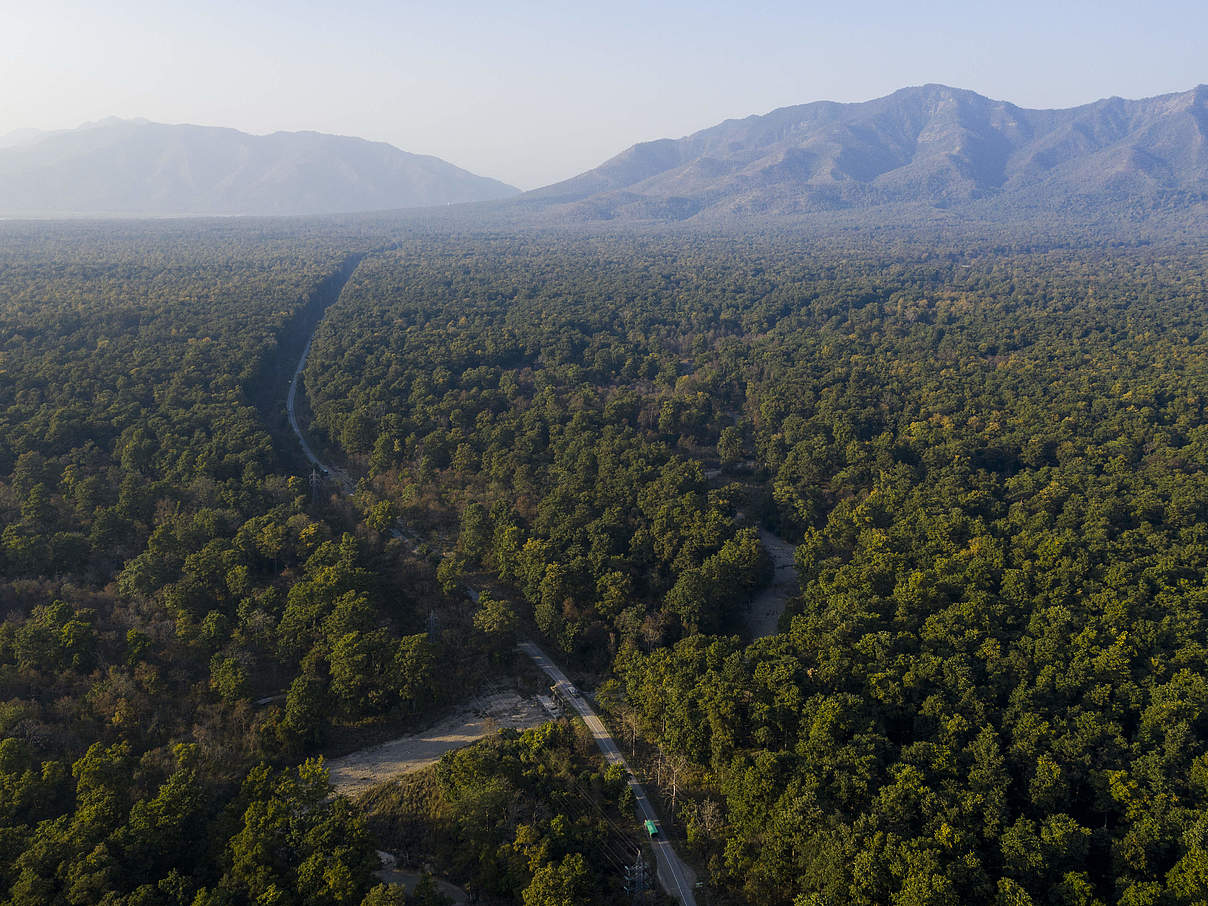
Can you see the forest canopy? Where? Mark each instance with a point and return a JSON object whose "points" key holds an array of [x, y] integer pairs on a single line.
{"points": [[993, 465], [991, 461]]}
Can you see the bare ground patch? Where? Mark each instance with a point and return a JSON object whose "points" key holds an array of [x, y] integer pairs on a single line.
{"points": [[354, 773]]}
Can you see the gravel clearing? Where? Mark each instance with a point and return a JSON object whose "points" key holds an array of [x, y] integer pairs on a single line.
{"points": [[357, 772]]}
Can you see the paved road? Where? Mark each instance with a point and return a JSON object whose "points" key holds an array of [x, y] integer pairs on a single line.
{"points": [[345, 483], [289, 409], [674, 875]]}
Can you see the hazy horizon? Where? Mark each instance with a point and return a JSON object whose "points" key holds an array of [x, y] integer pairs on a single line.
{"points": [[536, 92]]}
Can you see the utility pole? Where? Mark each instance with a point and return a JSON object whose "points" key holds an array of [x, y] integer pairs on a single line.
{"points": [[637, 879]]}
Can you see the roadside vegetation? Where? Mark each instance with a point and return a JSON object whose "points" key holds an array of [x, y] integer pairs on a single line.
{"points": [[185, 622], [532, 818]]}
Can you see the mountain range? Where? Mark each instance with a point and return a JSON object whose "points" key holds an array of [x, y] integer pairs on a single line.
{"points": [[135, 167], [922, 148], [931, 145]]}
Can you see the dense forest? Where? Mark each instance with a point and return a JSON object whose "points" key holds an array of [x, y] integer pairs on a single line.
{"points": [[992, 462], [167, 572]]}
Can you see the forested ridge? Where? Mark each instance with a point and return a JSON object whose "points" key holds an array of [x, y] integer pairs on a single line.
{"points": [[992, 462]]}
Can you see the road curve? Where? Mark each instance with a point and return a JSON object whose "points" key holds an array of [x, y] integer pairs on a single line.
{"points": [[345, 483], [293, 419], [674, 875], [342, 479]]}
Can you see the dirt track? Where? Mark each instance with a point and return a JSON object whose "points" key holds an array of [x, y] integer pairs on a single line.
{"points": [[763, 613], [377, 764], [392, 873]]}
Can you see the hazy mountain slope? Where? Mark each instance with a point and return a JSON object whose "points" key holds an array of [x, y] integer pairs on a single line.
{"points": [[136, 167], [20, 137], [930, 145]]}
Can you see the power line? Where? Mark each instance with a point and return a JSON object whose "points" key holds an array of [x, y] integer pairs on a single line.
{"points": [[620, 832], [619, 856]]}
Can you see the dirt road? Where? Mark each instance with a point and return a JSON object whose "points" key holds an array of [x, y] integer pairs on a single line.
{"points": [[763, 613]]}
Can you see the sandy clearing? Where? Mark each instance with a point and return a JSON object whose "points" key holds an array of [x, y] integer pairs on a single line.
{"points": [[356, 772], [763, 613]]}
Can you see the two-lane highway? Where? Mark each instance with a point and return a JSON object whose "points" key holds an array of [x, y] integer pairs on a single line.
{"points": [[674, 875]]}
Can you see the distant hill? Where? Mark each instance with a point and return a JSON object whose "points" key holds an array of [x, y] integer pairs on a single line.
{"points": [[932, 145], [132, 167]]}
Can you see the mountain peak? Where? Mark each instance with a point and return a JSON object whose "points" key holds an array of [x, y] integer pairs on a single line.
{"points": [[933, 89]]}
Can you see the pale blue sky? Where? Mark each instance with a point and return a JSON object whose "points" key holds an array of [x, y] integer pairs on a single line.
{"points": [[530, 91]]}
